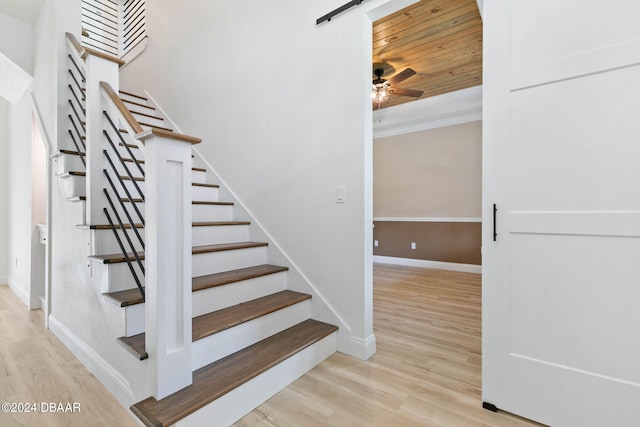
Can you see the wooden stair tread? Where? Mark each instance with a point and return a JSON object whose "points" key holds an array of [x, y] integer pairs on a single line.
{"points": [[146, 115], [199, 184], [197, 202], [138, 104], [219, 378], [131, 160], [127, 178], [73, 152], [226, 247], [131, 297], [72, 173], [132, 94], [116, 258], [105, 226], [154, 126], [219, 223], [125, 298], [233, 276], [134, 345], [217, 321]]}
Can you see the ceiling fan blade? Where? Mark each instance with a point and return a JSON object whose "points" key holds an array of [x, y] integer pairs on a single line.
{"points": [[403, 75], [407, 92]]}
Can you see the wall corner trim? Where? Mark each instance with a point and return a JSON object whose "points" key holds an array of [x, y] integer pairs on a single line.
{"points": [[439, 265]]}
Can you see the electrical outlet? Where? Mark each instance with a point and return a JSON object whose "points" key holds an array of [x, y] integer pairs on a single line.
{"points": [[413, 245], [375, 243]]}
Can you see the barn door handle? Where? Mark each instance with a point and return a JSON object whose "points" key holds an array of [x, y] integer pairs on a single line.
{"points": [[495, 234]]}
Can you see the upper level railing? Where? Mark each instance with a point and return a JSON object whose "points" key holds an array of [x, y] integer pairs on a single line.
{"points": [[115, 27]]}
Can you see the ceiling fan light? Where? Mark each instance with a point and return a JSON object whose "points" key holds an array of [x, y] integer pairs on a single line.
{"points": [[380, 92]]}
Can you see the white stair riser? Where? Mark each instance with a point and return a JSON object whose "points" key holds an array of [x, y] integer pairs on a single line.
{"points": [[126, 98], [237, 403], [213, 235], [216, 262], [144, 119], [200, 213], [216, 298], [131, 187], [219, 297], [215, 347], [68, 162], [198, 176], [133, 103], [73, 186], [117, 277], [211, 213], [131, 210], [204, 194], [135, 171], [114, 277], [134, 320], [104, 242]]}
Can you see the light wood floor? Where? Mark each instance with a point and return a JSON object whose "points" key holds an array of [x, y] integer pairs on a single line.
{"points": [[426, 371], [36, 367]]}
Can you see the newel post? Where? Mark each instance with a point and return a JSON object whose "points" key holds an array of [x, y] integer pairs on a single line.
{"points": [[99, 67], [168, 258]]}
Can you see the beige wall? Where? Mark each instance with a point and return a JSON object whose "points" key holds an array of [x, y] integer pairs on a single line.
{"points": [[431, 173], [427, 175]]}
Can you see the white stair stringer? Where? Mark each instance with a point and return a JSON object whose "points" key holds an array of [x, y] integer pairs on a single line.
{"points": [[232, 406]]}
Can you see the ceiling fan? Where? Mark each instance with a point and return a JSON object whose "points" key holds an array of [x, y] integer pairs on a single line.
{"points": [[382, 89]]}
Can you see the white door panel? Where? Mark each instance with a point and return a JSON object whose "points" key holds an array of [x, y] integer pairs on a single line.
{"points": [[561, 159]]}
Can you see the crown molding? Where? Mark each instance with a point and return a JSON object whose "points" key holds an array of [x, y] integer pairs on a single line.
{"points": [[449, 109]]}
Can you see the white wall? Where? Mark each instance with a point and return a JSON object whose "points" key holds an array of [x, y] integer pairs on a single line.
{"points": [[283, 109], [16, 41], [19, 198], [46, 56], [4, 188]]}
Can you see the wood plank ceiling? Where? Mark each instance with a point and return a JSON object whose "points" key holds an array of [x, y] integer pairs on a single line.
{"points": [[440, 39]]}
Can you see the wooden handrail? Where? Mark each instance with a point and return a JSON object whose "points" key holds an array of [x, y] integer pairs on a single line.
{"points": [[76, 44], [167, 134], [94, 52], [133, 123], [84, 51]]}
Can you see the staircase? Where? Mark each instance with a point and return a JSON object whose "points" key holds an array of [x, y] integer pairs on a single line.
{"points": [[251, 335]]}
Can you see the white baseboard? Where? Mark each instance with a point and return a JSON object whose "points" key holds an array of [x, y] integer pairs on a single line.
{"points": [[440, 265], [19, 291], [363, 348], [105, 373]]}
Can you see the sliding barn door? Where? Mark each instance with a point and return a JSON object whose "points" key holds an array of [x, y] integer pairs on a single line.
{"points": [[561, 281]]}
